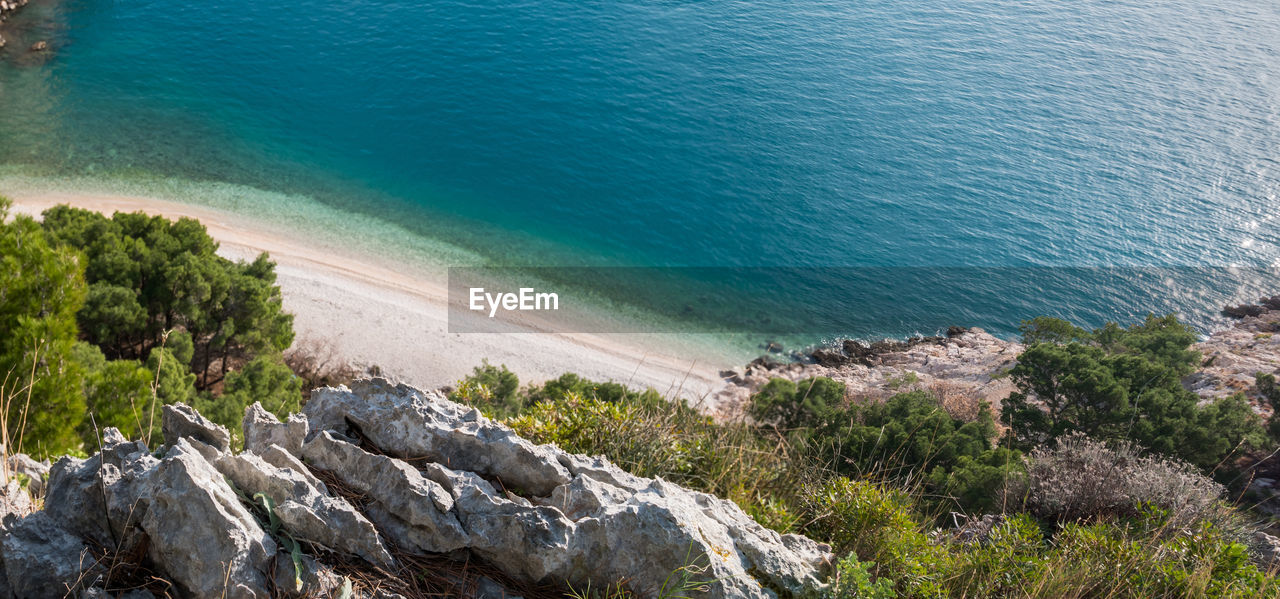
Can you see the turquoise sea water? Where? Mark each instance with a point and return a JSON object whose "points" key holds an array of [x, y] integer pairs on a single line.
{"points": [[810, 133]]}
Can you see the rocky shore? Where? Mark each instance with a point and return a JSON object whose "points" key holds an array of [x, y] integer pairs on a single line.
{"points": [[377, 490], [8, 7], [968, 364], [963, 367]]}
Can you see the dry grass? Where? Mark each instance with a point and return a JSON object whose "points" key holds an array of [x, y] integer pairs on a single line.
{"points": [[319, 365]]}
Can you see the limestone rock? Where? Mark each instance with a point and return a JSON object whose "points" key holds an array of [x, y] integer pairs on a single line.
{"points": [[411, 509], [15, 503], [181, 420], [44, 560], [262, 429], [407, 422], [598, 526], [34, 472], [201, 535], [317, 579], [104, 497], [304, 510]]}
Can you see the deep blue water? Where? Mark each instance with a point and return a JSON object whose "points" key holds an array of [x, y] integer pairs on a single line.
{"points": [[714, 133]]}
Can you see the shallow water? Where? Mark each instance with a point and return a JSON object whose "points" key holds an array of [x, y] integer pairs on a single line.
{"points": [[987, 133]]}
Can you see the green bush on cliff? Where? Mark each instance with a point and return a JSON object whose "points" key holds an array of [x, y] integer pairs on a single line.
{"points": [[1122, 383], [907, 438]]}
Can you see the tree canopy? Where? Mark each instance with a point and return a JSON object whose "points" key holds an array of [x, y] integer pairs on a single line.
{"points": [[105, 320], [1121, 383], [41, 288], [148, 275]]}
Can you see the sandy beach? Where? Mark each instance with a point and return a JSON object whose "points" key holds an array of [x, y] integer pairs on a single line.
{"points": [[368, 310]]}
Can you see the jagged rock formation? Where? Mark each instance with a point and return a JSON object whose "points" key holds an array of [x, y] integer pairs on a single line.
{"points": [[408, 474]]}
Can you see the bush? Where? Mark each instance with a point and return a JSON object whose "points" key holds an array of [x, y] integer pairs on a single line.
{"points": [[1002, 564], [1085, 480], [791, 405], [492, 389], [672, 441], [912, 439], [1122, 383], [1108, 560], [875, 524]]}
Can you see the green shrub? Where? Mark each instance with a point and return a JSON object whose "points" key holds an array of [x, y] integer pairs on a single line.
{"points": [[672, 441], [491, 388], [1122, 383], [1002, 564], [1110, 560], [876, 525], [853, 580], [795, 405], [910, 438]]}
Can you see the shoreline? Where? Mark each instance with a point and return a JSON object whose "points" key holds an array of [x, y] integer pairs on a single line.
{"points": [[370, 310]]}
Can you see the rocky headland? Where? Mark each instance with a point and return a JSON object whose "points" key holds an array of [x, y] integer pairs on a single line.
{"points": [[376, 490]]}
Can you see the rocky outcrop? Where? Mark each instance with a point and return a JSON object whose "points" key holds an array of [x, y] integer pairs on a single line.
{"points": [[967, 363], [372, 480], [1235, 355]]}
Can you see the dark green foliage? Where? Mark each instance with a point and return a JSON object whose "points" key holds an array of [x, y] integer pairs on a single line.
{"points": [[571, 385], [118, 393], [1269, 390], [148, 275], [1122, 383], [41, 288], [909, 437], [265, 379], [1046, 329], [796, 405], [492, 389], [175, 382]]}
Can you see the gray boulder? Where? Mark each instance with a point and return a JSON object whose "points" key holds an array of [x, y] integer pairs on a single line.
{"points": [[104, 497], [262, 429], [183, 421], [305, 511], [410, 423], [201, 535], [24, 466], [44, 560], [413, 510], [598, 524]]}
